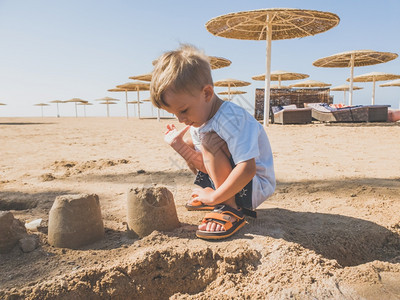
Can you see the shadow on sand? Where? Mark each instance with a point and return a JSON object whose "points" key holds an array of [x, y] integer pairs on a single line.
{"points": [[348, 240]]}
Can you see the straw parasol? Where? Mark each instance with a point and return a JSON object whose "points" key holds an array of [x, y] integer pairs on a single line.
{"points": [[57, 101], [230, 83], [276, 86], [310, 84], [41, 106], [126, 96], [271, 24], [84, 106], [107, 99], [3, 104], [143, 77], [355, 58], [281, 75], [219, 62], [135, 86], [373, 77], [215, 63], [391, 83], [76, 100], [345, 88]]}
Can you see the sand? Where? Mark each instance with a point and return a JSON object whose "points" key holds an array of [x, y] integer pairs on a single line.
{"points": [[331, 230]]}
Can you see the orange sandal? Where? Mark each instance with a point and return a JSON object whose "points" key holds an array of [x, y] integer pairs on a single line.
{"points": [[222, 215], [197, 205]]}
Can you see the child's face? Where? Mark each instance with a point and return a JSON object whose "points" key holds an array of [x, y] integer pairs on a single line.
{"points": [[191, 109]]}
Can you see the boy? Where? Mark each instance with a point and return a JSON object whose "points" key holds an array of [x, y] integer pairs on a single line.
{"points": [[229, 150]]}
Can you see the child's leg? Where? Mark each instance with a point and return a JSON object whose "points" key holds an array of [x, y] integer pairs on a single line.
{"points": [[216, 157]]}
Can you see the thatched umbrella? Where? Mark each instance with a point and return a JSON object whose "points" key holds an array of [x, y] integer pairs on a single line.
{"points": [[355, 58], [84, 106], [231, 83], [107, 99], [219, 62], [281, 75], [41, 106], [3, 104], [147, 77], [345, 88], [391, 83], [126, 96], [215, 63], [143, 77], [276, 86], [310, 84], [271, 24], [135, 86], [57, 101], [373, 77], [76, 100], [234, 92]]}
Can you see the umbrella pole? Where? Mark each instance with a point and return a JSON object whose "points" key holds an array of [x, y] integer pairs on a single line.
{"points": [[351, 79], [58, 112], [41, 108], [84, 110], [108, 111], [126, 103], [76, 110], [373, 92], [267, 95], [138, 104]]}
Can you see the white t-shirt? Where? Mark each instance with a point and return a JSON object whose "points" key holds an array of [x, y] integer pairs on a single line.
{"points": [[246, 139]]}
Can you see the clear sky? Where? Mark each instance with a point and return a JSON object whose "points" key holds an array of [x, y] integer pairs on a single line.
{"points": [[57, 50]]}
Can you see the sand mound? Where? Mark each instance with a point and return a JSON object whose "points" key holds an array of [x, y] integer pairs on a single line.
{"points": [[69, 168]]}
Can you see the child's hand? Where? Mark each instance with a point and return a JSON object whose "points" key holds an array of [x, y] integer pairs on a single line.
{"points": [[203, 195], [172, 135]]}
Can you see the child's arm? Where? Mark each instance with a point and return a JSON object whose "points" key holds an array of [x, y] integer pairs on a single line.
{"points": [[193, 158], [236, 181]]}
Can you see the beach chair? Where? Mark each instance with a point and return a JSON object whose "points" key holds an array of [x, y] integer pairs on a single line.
{"points": [[290, 114], [324, 113]]}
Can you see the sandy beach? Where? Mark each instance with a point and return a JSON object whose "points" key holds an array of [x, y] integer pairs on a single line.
{"points": [[330, 231]]}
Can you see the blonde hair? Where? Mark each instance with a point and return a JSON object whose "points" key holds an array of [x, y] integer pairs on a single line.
{"points": [[185, 69]]}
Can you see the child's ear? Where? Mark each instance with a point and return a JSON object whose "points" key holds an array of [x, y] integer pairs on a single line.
{"points": [[208, 91]]}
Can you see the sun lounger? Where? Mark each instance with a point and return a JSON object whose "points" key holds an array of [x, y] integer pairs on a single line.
{"points": [[323, 113], [291, 115], [378, 113]]}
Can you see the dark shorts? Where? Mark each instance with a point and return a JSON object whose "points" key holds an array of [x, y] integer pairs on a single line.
{"points": [[243, 198]]}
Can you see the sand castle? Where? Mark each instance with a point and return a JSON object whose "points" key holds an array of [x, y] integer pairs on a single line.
{"points": [[150, 209], [75, 221]]}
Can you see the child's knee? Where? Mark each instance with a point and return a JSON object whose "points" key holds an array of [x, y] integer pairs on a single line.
{"points": [[213, 143]]}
